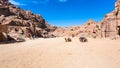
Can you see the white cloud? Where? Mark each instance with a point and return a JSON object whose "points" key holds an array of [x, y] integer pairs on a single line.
{"points": [[15, 3], [35, 2], [62, 0], [40, 1]]}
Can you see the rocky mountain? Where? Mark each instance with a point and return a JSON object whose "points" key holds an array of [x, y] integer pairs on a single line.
{"points": [[109, 27], [90, 29], [16, 23], [111, 23], [22, 23]]}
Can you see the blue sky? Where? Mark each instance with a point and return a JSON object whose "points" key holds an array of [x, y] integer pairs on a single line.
{"points": [[67, 12]]}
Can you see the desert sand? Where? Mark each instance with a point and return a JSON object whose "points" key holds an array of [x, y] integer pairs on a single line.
{"points": [[56, 53]]}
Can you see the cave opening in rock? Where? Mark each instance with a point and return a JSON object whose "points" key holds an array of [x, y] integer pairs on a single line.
{"points": [[119, 30]]}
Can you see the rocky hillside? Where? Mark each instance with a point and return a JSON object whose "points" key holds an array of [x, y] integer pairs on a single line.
{"points": [[109, 27], [111, 22], [90, 29], [18, 23], [23, 23]]}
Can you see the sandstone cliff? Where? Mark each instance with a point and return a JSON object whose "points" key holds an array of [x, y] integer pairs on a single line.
{"points": [[111, 23], [109, 27], [90, 29], [23, 23]]}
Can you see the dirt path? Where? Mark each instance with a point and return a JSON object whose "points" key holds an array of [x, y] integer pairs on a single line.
{"points": [[55, 53]]}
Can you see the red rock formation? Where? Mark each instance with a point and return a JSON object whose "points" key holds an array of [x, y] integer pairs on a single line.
{"points": [[109, 27], [111, 23], [22, 23], [90, 29]]}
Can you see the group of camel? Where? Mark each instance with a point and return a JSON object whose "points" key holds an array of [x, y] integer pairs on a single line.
{"points": [[81, 39]]}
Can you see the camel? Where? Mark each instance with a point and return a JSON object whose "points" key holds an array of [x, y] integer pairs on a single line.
{"points": [[68, 39], [83, 39]]}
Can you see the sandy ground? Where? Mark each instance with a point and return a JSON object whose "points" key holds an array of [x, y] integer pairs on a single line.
{"points": [[56, 53]]}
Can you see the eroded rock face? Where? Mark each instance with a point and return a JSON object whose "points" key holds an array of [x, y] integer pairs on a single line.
{"points": [[109, 27], [90, 29], [23, 23], [111, 23]]}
